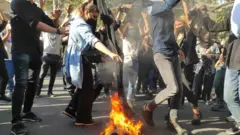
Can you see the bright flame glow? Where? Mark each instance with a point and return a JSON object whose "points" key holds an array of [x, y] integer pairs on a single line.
{"points": [[119, 121]]}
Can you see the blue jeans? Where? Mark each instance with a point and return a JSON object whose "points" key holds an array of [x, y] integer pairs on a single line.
{"points": [[152, 80], [232, 92], [27, 69], [129, 80], [218, 84], [10, 70]]}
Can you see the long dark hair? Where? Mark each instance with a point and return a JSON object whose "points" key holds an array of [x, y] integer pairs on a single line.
{"points": [[90, 7]]}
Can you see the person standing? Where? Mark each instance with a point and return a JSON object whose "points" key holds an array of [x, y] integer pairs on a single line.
{"points": [[232, 75], [3, 55], [81, 40], [166, 58], [51, 59], [26, 25]]}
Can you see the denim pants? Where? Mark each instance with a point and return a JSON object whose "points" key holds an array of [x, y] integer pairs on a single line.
{"points": [[232, 92], [218, 84], [27, 69], [10, 70], [3, 76], [129, 80]]}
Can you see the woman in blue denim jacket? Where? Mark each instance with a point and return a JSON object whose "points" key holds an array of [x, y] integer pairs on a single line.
{"points": [[81, 39]]}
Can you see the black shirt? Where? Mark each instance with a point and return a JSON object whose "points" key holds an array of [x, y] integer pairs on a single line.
{"points": [[25, 36], [3, 53]]}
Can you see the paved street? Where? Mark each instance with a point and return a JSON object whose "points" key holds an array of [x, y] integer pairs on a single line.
{"points": [[54, 123]]}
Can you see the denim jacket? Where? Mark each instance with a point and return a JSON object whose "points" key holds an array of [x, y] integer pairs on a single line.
{"points": [[80, 39]]}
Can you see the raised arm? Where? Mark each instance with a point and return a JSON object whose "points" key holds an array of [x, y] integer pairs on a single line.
{"points": [[7, 35], [186, 12], [162, 6], [146, 24], [93, 41], [3, 21], [212, 26], [27, 12]]}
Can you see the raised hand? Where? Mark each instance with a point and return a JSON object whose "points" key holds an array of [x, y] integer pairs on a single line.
{"points": [[57, 13]]}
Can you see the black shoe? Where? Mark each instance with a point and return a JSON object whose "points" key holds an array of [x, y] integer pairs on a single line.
{"points": [[18, 129], [85, 123], [69, 114], [218, 108], [197, 119], [5, 98], [235, 130], [148, 116], [71, 92], [31, 117]]}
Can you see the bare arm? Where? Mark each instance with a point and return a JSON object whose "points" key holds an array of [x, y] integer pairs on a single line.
{"points": [[3, 17], [41, 3], [186, 11], [140, 29], [7, 35], [102, 48], [122, 30], [146, 24]]}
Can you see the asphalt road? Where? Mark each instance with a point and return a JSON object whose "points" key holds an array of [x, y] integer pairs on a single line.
{"points": [[54, 123]]}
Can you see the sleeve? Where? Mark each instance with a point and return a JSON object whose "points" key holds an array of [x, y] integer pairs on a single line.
{"points": [[235, 19], [211, 26], [26, 11], [3, 26], [216, 52], [160, 7], [198, 51], [47, 20], [86, 33]]}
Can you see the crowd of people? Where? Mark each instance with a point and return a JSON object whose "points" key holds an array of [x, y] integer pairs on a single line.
{"points": [[133, 50]]}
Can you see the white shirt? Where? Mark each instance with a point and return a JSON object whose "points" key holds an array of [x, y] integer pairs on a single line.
{"points": [[51, 43], [235, 18], [129, 51]]}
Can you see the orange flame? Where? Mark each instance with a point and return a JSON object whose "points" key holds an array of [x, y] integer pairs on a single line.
{"points": [[119, 120]]}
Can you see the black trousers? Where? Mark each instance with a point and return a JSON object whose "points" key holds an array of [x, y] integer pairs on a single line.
{"points": [[54, 67], [145, 66], [27, 69], [205, 80], [187, 78], [3, 76], [82, 100]]}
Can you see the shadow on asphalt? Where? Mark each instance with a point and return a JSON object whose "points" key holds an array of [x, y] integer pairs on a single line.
{"points": [[54, 123]]}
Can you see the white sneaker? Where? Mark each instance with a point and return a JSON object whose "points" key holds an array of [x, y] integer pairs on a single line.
{"points": [[9, 94]]}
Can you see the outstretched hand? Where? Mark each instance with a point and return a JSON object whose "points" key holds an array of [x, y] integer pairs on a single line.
{"points": [[115, 57]]}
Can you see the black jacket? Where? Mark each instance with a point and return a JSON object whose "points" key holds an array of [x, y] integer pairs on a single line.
{"points": [[188, 46], [232, 48]]}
